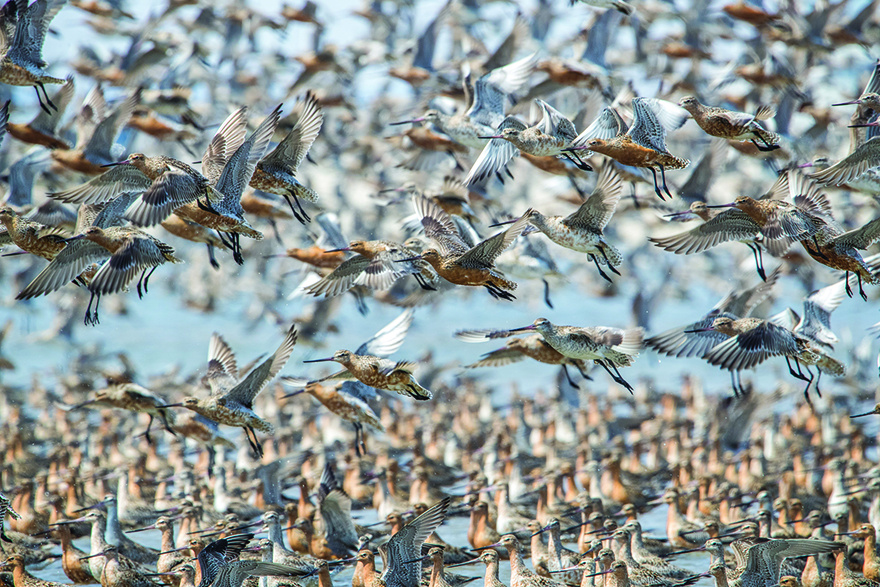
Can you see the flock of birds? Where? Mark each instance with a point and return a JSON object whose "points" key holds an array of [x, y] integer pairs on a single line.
{"points": [[98, 202]]}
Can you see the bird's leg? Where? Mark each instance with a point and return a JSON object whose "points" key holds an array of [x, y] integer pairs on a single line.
{"points": [[608, 261], [292, 208], [861, 289], [759, 260], [274, 226], [733, 383], [223, 239], [48, 99], [797, 375], [598, 268], [92, 319], [614, 375], [211, 257], [235, 239], [663, 176], [500, 177], [258, 448], [807, 388], [139, 284], [508, 172], [818, 376], [147, 278], [819, 252], [40, 99], [547, 294], [580, 367], [147, 431], [656, 186], [847, 288], [568, 376]]}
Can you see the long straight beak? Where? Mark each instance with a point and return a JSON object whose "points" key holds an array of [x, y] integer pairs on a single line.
{"points": [[182, 548], [523, 328], [731, 205], [123, 162], [863, 125], [415, 560], [170, 406], [342, 561], [851, 102], [464, 563], [495, 545], [697, 549], [102, 553], [608, 572], [74, 238], [319, 360], [144, 529], [68, 522], [337, 250], [565, 570], [416, 258], [693, 330], [491, 137], [503, 223], [410, 121], [679, 214], [863, 415], [291, 394]]}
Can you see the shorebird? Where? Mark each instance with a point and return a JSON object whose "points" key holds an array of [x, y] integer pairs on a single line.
{"points": [[6, 508], [697, 339], [181, 191], [97, 130], [459, 263], [405, 546], [349, 401], [520, 574], [32, 237], [125, 252], [732, 125], [643, 144], [486, 112], [334, 505], [840, 250], [232, 404], [219, 566], [377, 266], [133, 397], [42, 130], [21, 578], [276, 172], [550, 137], [582, 230], [22, 62], [516, 349], [607, 347], [752, 341]]}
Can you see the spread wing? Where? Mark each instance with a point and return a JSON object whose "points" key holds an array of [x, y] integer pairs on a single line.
{"points": [[390, 338], [438, 226], [751, 348], [484, 254], [727, 226], [224, 143], [495, 155], [245, 392], [291, 151], [597, 210]]}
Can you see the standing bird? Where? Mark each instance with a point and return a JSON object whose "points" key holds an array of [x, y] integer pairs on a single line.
{"points": [[22, 62], [582, 230], [403, 551], [732, 125], [276, 172], [643, 144], [459, 263], [607, 347], [233, 404]]}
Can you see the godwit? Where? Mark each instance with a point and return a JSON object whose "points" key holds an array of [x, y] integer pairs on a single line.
{"points": [[732, 125], [459, 263], [720, 227], [30, 236], [405, 546], [643, 144], [349, 401], [516, 349], [335, 506], [189, 230], [606, 346], [21, 578], [76, 570], [133, 397], [520, 574], [234, 406], [377, 266], [22, 62], [839, 250], [486, 112], [125, 250], [219, 568], [645, 557], [42, 129], [276, 172], [95, 140], [844, 576], [697, 339], [752, 341], [582, 230], [871, 564], [221, 209], [377, 372], [551, 137]]}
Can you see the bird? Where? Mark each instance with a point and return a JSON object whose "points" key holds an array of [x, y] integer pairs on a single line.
{"points": [[459, 263], [276, 172], [402, 550], [232, 404], [641, 145], [607, 347], [732, 125], [22, 61]]}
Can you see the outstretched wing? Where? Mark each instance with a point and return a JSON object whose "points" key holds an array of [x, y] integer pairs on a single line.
{"points": [[245, 392]]}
